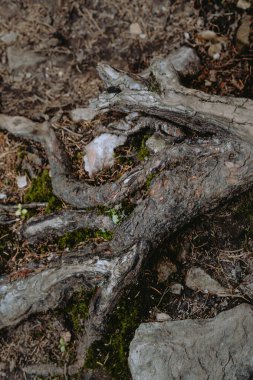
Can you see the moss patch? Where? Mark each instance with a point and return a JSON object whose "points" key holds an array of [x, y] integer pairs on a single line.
{"points": [[77, 308], [41, 191], [71, 239]]}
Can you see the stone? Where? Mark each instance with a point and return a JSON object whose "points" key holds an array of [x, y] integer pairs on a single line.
{"points": [[207, 35], [246, 286], [243, 4], [243, 33], [100, 152], [155, 144], [20, 58], [176, 288], [86, 114], [165, 268], [200, 349], [161, 317], [21, 181], [135, 28], [197, 279], [8, 38], [185, 61]]}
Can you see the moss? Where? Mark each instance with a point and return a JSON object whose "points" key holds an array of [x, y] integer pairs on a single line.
{"points": [[153, 84], [116, 343], [70, 239], [41, 191], [77, 308], [149, 179], [143, 151]]}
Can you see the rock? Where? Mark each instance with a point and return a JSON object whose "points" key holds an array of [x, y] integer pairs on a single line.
{"points": [[3, 196], [21, 181], [197, 279], [85, 114], [19, 58], [99, 152], [164, 269], [246, 286], [214, 50], [200, 349], [243, 4], [135, 28], [185, 61], [207, 35], [162, 317], [176, 288], [243, 33], [155, 143], [8, 38]]}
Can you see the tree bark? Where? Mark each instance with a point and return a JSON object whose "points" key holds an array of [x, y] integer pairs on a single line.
{"points": [[189, 178]]}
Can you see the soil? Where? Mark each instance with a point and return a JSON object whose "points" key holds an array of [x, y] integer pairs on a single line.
{"points": [[70, 38]]}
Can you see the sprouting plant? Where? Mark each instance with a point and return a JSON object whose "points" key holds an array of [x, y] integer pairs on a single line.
{"points": [[117, 214], [21, 211], [63, 345]]}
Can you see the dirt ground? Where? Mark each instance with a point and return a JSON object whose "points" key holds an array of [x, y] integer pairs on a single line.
{"points": [[49, 52]]}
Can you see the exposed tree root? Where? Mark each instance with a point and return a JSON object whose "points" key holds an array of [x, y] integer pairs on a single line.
{"points": [[189, 178]]}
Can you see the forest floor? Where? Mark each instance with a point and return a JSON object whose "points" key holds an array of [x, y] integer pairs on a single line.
{"points": [[49, 52]]}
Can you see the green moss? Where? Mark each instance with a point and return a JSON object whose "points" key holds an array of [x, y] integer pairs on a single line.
{"points": [[153, 84], [77, 308], [149, 179], [70, 239], [41, 191], [143, 151], [116, 343]]}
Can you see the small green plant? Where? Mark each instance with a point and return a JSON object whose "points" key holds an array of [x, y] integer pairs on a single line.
{"points": [[63, 344], [22, 212]]}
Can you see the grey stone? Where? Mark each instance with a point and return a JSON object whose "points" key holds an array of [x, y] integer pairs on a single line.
{"points": [[243, 33], [155, 144], [176, 288], [185, 61], [213, 349], [197, 279], [246, 286], [19, 58]]}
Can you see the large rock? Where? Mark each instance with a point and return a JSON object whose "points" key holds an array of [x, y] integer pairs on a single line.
{"points": [[213, 349]]}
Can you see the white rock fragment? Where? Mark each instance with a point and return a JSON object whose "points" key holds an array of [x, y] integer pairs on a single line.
{"points": [[135, 28], [8, 38], [21, 181], [243, 4], [176, 288], [185, 61], [99, 152], [207, 35], [20, 58], [85, 114], [197, 279], [162, 317], [3, 196]]}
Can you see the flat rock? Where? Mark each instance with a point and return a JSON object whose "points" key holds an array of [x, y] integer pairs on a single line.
{"points": [[197, 279], [243, 32], [201, 349], [20, 58], [185, 61]]}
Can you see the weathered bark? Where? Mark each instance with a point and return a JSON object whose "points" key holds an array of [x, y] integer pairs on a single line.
{"points": [[190, 177]]}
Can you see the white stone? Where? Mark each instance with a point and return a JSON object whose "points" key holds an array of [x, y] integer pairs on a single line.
{"points": [[85, 114], [8, 38], [161, 317], [100, 152], [243, 4], [21, 181], [135, 28]]}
